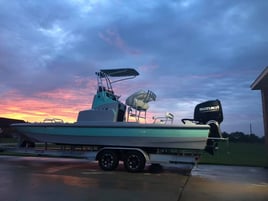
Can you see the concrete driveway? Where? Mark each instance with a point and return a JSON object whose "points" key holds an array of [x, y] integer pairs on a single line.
{"points": [[42, 179]]}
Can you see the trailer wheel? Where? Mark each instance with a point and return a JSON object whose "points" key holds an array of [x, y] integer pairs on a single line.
{"points": [[108, 160], [134, 161]]}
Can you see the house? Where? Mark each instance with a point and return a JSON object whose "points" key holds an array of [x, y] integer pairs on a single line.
{"points": [[261, 83]]}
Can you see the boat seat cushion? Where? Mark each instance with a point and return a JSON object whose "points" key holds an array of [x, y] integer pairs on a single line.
{"points": [[96, 115], [140, 99]]}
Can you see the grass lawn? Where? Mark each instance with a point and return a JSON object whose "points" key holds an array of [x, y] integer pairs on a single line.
{"points": [[243, 154]]}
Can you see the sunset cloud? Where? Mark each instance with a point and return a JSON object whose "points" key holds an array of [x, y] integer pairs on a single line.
{"points": [[61, 103], [113, 38]]}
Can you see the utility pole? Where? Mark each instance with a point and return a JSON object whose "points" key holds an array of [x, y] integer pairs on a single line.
{"points": [[250, 128]]}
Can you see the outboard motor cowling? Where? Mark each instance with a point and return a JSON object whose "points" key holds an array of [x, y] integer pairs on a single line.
{"points": [[207, 111]]}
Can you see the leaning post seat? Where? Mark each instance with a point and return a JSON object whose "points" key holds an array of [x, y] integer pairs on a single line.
{"points": [[138, 102]]}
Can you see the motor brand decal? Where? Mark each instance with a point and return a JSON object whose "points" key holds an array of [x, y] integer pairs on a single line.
{"points": [[209, 109]]}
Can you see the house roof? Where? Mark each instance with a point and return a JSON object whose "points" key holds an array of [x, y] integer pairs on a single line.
{"points": [[262, 81]]}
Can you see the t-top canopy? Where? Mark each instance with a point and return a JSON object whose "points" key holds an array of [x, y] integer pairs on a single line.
{"points": [[120, 72]]}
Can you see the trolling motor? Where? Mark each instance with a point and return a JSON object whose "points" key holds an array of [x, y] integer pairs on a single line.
{"points": [[210, 113]]}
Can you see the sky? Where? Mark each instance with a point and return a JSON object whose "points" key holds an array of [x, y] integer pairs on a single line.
{"points": [[186, 51]]}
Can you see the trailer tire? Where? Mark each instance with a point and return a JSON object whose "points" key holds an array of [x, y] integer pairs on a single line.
{"points": [[134, 161], [108, 160]]}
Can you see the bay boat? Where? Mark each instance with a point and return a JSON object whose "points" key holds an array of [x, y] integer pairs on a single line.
{"points": [[110, 122]]}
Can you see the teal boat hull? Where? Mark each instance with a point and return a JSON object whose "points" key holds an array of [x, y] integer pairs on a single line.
{"points": [[123, 134]]}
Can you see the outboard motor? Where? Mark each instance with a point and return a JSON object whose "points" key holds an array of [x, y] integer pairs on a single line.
{"points": [[209, 112]]}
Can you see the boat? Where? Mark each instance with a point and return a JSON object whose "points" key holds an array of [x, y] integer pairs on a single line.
{"points": [[113, 123]]}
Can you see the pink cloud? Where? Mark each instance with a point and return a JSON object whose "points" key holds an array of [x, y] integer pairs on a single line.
{"points": [[148, 67], [206, 76], [62, 103], [113, 38]]}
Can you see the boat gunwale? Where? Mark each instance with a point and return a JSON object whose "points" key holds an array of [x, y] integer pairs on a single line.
{"points": [[123, 125]]}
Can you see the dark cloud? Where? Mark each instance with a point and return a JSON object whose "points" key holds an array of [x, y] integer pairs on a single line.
{"points": [[186, 51]]}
